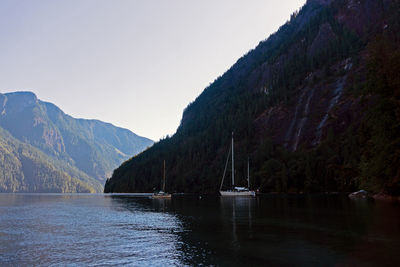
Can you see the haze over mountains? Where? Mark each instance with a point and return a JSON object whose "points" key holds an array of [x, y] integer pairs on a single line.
{"points": [[42, 149], [315, 107]]}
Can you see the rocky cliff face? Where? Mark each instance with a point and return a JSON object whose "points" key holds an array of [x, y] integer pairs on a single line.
{"points": [[307, 120], [301, 105], [319, 98]]}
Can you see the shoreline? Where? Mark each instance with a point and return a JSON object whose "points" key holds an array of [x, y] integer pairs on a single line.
{"points": [[386, 197]]}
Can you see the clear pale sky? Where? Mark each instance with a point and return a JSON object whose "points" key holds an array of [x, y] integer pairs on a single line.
{"points": [[134, 63]]}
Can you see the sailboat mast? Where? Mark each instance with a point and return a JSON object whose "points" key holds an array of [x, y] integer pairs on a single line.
{"points": [[248, 172], [164, 178], [233, 165]]}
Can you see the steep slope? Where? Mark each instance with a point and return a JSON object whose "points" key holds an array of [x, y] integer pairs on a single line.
{"points": [[83, 151], [27, 169], [315, 106]]}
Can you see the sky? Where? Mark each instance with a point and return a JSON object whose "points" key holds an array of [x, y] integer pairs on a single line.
{"points": [[134, 63]]}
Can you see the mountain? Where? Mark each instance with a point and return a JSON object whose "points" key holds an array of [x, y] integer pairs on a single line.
{"points": [[316, 108], [42, 149]]}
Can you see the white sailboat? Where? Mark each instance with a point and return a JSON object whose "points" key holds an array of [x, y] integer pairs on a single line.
{"points": [[162, 193], [236, 190]]}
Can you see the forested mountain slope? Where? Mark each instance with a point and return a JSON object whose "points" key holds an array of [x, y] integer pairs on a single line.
{"points": [[316, 107], [46, 150]]}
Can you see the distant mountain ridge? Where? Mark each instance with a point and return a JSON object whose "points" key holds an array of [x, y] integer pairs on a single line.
{"points": [[85, 151]]}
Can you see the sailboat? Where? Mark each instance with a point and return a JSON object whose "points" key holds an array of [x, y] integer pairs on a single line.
{"points": [[162, 193], [236, 190]]}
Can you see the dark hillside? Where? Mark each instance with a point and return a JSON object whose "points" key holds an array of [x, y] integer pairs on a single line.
{"points": [[312, 106]]}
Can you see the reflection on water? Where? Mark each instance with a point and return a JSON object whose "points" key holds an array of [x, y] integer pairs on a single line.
{"points": [[186, 230]]}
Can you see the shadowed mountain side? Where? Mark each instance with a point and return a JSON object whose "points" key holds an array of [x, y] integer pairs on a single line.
{"points": [[27, 169], [315, 107]]}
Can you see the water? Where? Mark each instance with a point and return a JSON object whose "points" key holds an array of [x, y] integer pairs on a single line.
{"points": [[98, 230]]}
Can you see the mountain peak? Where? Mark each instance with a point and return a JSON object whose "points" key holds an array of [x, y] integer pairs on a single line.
{"points": [[27, 94], [18, 101]]}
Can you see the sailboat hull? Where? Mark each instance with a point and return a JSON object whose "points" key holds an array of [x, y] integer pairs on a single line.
{"points": [[237, 193], [161, 195]]}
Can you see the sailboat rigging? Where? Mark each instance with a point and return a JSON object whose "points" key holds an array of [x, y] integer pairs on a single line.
{"points": [[162, 193], [236, 190]]}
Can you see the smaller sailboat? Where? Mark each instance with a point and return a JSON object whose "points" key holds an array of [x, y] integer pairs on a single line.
{"points": [[236, 190], [162, 193]]}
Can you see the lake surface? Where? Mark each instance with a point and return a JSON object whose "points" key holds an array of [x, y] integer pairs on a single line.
{"points": [[97, 230]]}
